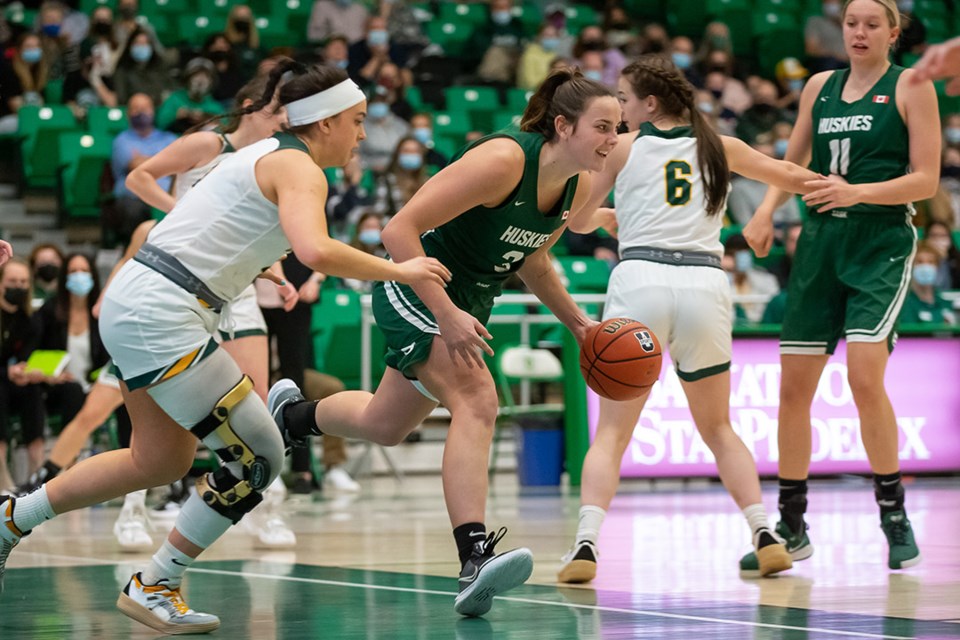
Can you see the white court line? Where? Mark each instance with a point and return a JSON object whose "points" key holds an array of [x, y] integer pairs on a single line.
{"points": [[450, 594]]}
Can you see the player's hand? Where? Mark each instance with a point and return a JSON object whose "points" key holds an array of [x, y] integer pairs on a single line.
{"points": [[580, 331], [6, 251], [607, 220], [289, 295], [465, 337], [759, 232], [831, 192], [422, 269], [309, 291], [940, 61]]}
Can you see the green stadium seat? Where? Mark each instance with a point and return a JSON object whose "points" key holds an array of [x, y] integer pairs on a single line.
{"points": [[195, 29], [452, 37], [274, 32], [87, 6], [337, 338], [645, 10], [414, 96], [778, 6], [506, 120], [580, 16], [740, 23], [109, 120], [586, 275], [163, 25], [151, 8], [448, 146], [39, 129], [17, 14], [517, 99], [211, 8], [480, 102], [724, 6], [452, 123], [686, 18], [474, 13], [530, 16], [53, 92], [296, 13], [83, 157]]}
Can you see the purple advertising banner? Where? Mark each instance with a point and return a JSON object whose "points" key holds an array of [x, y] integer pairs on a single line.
{"points": [[923, 380]]}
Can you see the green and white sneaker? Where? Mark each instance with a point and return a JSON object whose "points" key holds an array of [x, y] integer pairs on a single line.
{"points": [[10, 534], [904, 552], [798, 546], [161, 607]]}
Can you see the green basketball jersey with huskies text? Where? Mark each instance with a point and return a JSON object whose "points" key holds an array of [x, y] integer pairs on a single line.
{"points": [[862, 141]]}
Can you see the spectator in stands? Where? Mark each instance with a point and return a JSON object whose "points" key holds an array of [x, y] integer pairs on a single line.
{"points": [[366, 237], [141, 69], [127, 25], [66, 323], [405, 174], [384, 131], [102, 33], [194, 103], [682, 54], [938, 238], [823, 39], [950, 185], [422, 129], [951, 130], [762, 115], [375, 51], [403, 27], [719, 80], [92, 84], [592, 65], [716, 37], [781, 139], [348, 197], [329, 17], [241, 32], [391, 82], [924, 304], [723, 120], [791, 76], [336, 51], [535, 60], [913, 34], [747, 279], [18, 393], [555, 14], [46, 262], [494, 48], [60, 46], [592, 38], [131, 148], [746, 194], [230, 76], [23, 79], [617, 26]]}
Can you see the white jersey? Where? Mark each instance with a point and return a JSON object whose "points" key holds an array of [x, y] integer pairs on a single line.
{"points": [[659, 194], [186, 180], [224, 230]]}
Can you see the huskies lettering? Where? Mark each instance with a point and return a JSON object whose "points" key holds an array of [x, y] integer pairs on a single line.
{"points": [[524, 238], [846, 123]]}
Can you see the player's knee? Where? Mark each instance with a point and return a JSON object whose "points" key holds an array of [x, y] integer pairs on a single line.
{"points": [[865, 384]]}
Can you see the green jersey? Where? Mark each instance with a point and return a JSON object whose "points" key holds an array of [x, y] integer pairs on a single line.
{"points": [[483, 246], [861, 141]]}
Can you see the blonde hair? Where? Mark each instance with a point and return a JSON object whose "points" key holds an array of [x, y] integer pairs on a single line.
{"points": [[889, 6]]}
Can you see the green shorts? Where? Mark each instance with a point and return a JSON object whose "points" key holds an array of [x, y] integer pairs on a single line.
{"points": [[407, 325], [849, 279]]}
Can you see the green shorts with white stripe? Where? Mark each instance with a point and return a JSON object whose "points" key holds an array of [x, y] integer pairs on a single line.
{"points": [[849, 278], [407, 324]]}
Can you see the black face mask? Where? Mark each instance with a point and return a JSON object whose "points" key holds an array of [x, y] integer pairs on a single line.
{"points": [[48, 272], [127, 12], [219, 56], [951, 171], [102, 29], [242, 26], [15, 296], [594, 45]]}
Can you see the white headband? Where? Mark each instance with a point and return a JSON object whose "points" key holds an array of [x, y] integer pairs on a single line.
{"points": [[328, 102]]}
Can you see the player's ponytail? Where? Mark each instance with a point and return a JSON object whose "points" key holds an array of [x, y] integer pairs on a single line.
{"points": [[655, 75], [565, 92]]}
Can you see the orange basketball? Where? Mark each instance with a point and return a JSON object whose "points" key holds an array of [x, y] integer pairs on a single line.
{"points": [[620, 359]]}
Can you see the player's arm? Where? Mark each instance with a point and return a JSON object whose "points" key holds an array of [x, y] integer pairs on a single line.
{"points": [[299, 188], [747, 161], [485, 176], [588, 216], [940, 61], [918, 106], [183, 154], [538, 274]]}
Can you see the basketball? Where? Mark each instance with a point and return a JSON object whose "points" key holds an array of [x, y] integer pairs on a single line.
{"points": [[620, 359]]}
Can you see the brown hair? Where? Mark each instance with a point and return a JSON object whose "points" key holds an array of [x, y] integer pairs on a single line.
{"points": [[31, 77], [654, 75], [37, 248], [889, 7], [565, 92], [27, 306]]}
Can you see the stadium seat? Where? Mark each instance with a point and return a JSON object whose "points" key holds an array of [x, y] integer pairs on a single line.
{"points": [[474, 13], [517, 99], [414, 96], [586, 275], [150, 8], [686, 18], [580, 16], [211, 8], [109, 120], [17, 14], [274, 32], [87, 6], [506, 120], [195, 29], [452, 123], [53, 92], [645, 10], [450, 36], [777, 6], [82, 159], [337, 339], [530, 16], [480, 102], [39, 129]]}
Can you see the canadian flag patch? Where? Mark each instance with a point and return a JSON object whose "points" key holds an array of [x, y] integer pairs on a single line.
{"points": [[881, 99], [566, 214]]}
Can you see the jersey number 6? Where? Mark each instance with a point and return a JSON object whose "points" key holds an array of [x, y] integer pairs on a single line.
{"points": [[678, 182]]}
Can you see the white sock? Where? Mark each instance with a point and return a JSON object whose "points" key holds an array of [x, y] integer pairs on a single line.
{"points": [[756, 516], [591, 519], [32, 509], [168, 563], [135, 499]]}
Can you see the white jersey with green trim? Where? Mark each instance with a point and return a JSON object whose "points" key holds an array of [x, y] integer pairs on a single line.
{"points": [[659, 195]]}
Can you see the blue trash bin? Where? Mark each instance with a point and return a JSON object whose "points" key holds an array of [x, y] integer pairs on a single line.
{"points": [[539, 442]]}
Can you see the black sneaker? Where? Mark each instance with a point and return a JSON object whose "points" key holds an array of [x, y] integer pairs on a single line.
{"points": [[283, 393], [484, 575], [44, 474]]}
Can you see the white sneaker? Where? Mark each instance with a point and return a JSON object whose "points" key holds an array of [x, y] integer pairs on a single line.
{"points": [[579, 565], [275, 534], [162, 608], [130, 530], [339, 480]]}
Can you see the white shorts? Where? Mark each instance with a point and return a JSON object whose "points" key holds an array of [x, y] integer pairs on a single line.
{"points": [[688, 308], [108, 376], [152, 328], [241, 317]]}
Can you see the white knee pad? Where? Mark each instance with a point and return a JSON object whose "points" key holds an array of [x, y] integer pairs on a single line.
{"points": [[199, 523]]}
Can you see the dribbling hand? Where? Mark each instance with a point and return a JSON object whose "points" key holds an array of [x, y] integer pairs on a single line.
{"points": [[422, 269]]}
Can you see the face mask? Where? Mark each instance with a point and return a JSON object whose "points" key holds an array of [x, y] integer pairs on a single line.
{"points": [[127, 12], [15, 296], [31, 55], [593, 74], [780, 147], [682, 59], [655, 46], [424, 135], [48, 272], [218, 56], [795, 85], [102, 29], [718, 68], [80, 283], [550, 44], [377, 38], [52, 30], [952, 134], [593, 45], [743, 261], [141, 121], [242, 26], [831, 10], [141, 52], [719, 42], [705, 107], [378, 110], [369, 237], [717, 93], [410, 161], [501, 17], [344, 3], [940, 245], [341, 64], [198, 86], [925, 275], [951, 171], [905, 6]]}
